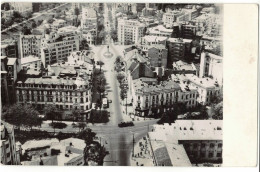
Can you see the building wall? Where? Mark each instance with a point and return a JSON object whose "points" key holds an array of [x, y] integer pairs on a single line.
{"points": [[29, 45], [35, 65], [157, 99], [64, 97], [129, 31], [208, 150], [8, 147], [158, 57], [58, 51]]}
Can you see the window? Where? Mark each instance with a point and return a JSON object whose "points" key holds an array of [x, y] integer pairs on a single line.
{"points": [[195, 146], [212, 145], [220, 145], [210, 154], [219, 154], [203, 145]]}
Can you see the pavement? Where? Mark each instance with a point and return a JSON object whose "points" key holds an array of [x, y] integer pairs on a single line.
{"points": [[142, 153]]}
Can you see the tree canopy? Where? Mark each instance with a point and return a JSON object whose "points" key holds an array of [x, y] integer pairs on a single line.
{"points": [[52, 112], [22, 115]]}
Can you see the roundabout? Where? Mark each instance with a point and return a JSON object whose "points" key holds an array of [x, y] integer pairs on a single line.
{"points": [[108, 54]]}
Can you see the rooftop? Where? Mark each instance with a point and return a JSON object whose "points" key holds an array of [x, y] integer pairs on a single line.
{"points": [[188, 130], [30, 59], [150, 38], [179, 40]]}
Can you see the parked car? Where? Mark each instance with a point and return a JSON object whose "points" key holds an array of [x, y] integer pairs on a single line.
{"points": [[125, 124]]}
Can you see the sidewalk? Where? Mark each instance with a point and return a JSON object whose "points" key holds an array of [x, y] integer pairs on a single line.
{"points": [[142, 154]]}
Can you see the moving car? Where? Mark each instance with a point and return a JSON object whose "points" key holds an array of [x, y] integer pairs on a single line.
{"points": [[125, 124]]}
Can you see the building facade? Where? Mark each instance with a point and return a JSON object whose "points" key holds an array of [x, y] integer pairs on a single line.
{"points": [[178, 49], [65, 93], [211, 65], [29, 45], [157, 55], [57, 47], [129, 31], [156, 98], [9, 154]]}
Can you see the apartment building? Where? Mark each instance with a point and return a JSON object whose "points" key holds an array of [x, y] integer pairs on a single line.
{"points": [[9, 71], [66, 93], [183, 15], [155, 98], [9, 48], [211, 66], [188, 31], [56, 47], [31, 63], [29, 45], [89, 20], [206, 87], [178, 49], [156, 54], [21, 6], [129, 31], [153, 40], [187, 142], [160, 30], [10, 151]]}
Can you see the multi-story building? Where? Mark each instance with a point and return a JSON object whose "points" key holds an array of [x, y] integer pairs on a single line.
{"points": [[56, 47], [187, 142], [206, 87], [67, 152], [31, 63], [9, 48], [179, 16], [160, 30], [66, 93], [58, 23], [211, 66], [9, 71], [157, 55], [22, 6], [170, 17], [154, 98], [181, 67], [188, 31], [178, 49], [89, 20], [29, 45], [129, 31], [4, 89], [10, 153], [153, 40]]}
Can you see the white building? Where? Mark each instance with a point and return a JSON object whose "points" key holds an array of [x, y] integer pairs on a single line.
{"points": [[129, 31], [56, 47], [29, 45], [206, 87], [54, 152], [31, 63], [150, 97], [187, 142], [211, 66], [89, 20], [21, 6], [160, 30]]}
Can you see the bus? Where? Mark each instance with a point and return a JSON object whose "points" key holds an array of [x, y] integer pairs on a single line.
{"points": [[104, 102]]}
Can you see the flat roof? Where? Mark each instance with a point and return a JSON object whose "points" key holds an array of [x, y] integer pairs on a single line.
{"points": [[11, 61]]}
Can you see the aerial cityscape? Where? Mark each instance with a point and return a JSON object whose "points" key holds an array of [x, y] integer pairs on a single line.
{"points": [[111, 84]]}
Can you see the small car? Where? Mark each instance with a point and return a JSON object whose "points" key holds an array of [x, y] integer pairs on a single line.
{"points": [[125, 124]]}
